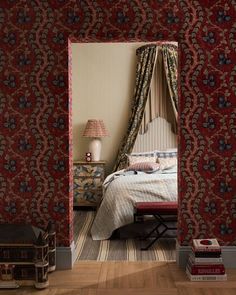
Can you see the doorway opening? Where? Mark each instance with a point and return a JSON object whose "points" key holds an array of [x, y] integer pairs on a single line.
{"points": [[110, 99]]}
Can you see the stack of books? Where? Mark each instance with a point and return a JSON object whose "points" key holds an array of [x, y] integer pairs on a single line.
{"points": [[205, 262]]}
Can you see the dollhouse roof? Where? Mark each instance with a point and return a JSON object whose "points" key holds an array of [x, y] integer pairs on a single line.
{"points": [[18, 234]]}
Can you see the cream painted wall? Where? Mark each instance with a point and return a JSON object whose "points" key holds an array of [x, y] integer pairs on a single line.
{"points": [[103, 76]]}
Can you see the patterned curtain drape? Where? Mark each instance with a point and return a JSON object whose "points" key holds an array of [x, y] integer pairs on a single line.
{"points": [[159, 102], [144, 70], [170, 58]]}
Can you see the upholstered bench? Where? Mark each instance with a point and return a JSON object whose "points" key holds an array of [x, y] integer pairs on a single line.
{"points": [[163, 212]]}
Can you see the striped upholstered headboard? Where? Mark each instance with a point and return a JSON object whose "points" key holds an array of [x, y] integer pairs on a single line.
{"points": [[158, 137]]}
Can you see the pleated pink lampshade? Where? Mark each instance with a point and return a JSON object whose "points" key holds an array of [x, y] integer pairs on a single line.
{"points": [[95, 128]]}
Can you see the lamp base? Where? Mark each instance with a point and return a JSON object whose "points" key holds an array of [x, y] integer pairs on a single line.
{"points": [[95, 147]]}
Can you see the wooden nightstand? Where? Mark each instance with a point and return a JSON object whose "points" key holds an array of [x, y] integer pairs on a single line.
{"points": [[88, 179]]}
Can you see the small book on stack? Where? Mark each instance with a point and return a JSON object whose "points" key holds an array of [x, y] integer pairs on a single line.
{"points": [[205, 262]]}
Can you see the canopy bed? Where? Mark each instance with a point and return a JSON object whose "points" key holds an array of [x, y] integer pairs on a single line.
{"points": [[145, 170], [122, 189]]}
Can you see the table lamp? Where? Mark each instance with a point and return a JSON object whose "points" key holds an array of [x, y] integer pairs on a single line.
{"points": [[95, 129]]}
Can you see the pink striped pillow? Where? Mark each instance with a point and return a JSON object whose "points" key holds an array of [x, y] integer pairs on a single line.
{"points": [[144, 166]]}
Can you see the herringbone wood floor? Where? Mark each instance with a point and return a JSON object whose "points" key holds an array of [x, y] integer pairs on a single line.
{"points": [[128, 278]]}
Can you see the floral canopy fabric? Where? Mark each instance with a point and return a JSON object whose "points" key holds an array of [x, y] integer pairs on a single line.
{"points": [[147, 57]]}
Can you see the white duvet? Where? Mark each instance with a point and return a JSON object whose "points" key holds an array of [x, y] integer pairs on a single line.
{"points": [[122, 189]]}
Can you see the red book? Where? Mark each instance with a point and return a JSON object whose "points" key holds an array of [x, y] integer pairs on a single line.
{"points": [[207, 254], [204, 269], [207, 271]]}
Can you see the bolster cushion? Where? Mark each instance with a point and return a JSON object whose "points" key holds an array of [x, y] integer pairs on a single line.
{"points": [[162, 208]]}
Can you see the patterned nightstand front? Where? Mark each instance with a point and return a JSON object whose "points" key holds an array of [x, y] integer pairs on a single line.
{"points": [[88, 179]]}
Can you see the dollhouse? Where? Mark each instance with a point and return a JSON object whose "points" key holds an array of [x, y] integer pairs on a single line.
{"points": [[27, 255]]}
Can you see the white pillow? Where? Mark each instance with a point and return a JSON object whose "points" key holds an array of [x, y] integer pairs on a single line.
{"points": [[167, 163]]}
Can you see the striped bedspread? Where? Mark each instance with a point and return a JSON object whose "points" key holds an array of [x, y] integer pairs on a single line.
{"points": [[122, 190]]}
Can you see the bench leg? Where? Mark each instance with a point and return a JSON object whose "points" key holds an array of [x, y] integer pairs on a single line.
{"points": [[155, 229], [154, 240], [161, 222]]}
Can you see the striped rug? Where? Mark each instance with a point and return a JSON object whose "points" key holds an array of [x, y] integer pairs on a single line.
{"points": [[116, 249]]}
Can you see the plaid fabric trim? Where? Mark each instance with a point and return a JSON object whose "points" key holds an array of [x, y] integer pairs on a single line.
{"points": [[143, 154], [166, 154]]}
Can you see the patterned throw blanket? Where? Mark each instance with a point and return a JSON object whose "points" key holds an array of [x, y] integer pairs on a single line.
{"points": [[123, 190]]}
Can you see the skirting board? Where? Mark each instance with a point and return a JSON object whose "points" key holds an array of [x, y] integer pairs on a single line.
{"points": [[65, 257], [228, 255]]}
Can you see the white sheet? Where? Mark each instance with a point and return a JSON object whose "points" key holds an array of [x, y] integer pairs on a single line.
{"points": [[122, 190]]}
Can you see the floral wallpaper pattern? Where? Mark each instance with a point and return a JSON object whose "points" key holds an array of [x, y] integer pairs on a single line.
{"points": [[35, 104]]}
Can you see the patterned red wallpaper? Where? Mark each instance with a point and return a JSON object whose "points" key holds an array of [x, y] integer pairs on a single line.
{"points": [[35, 140]]}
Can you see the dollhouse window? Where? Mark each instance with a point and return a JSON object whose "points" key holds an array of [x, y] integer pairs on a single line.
{"points": [[24, 273], [24, 254], [6, 254]]}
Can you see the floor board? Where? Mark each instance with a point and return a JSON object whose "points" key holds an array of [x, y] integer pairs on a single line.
{"points": [[128, 278]]}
